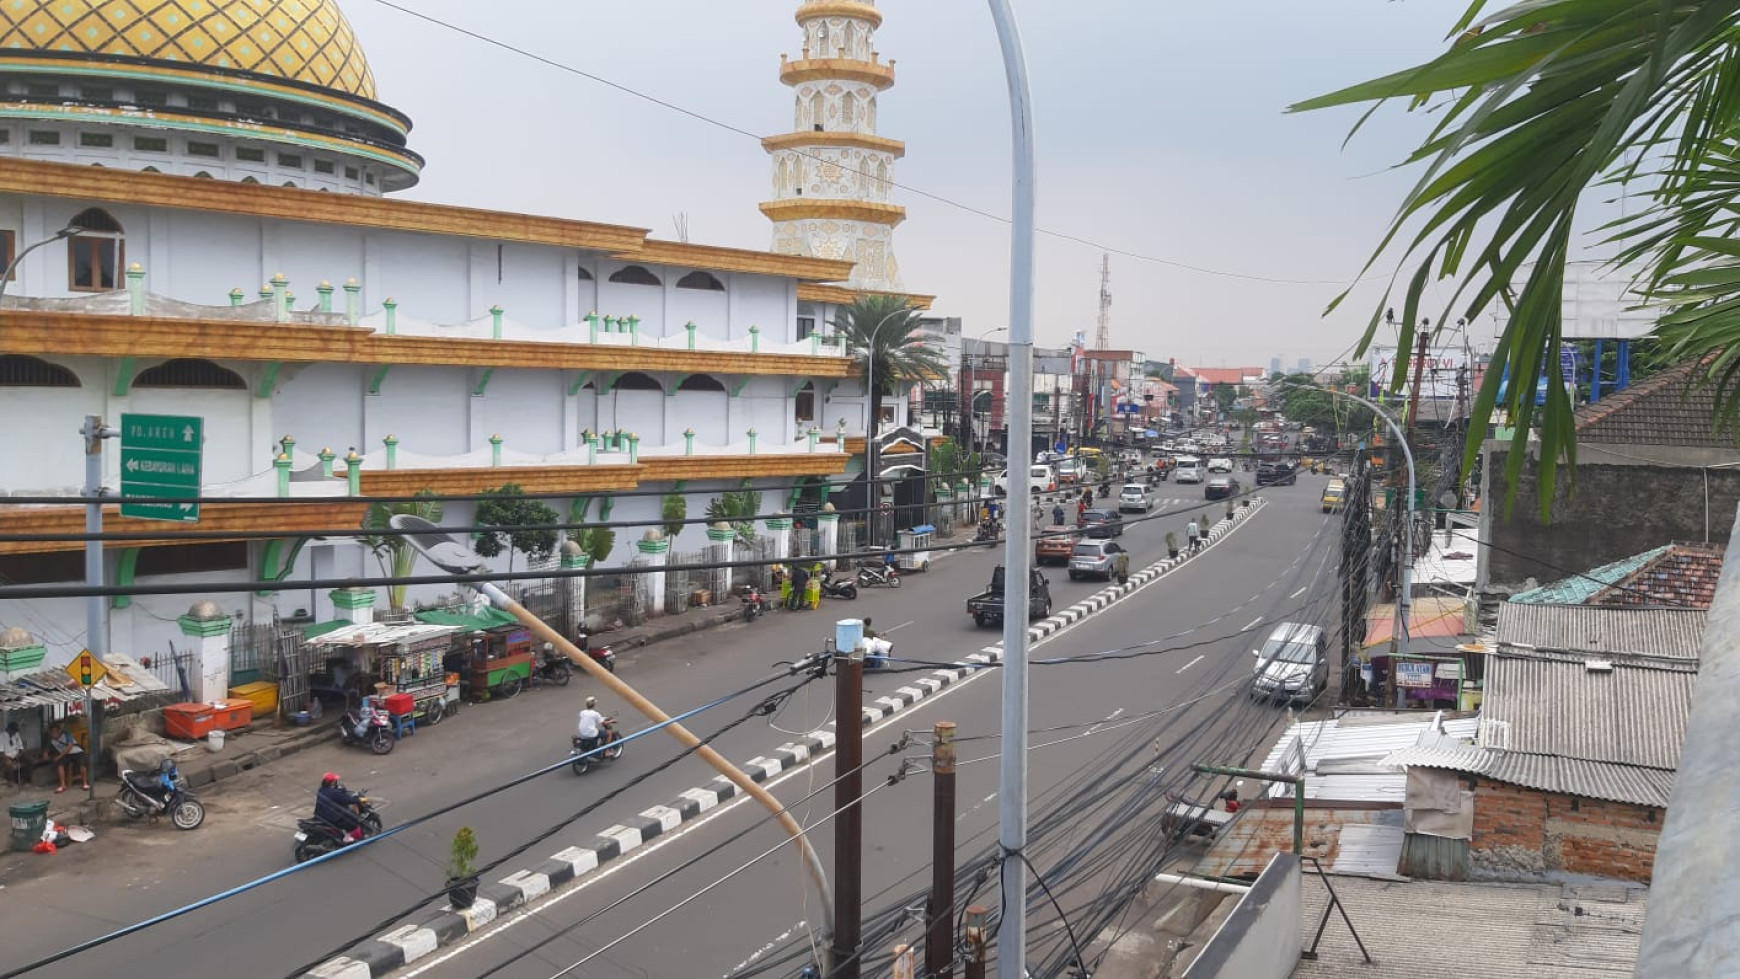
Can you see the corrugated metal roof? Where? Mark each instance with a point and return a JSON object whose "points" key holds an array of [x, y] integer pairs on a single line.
{"points": [[1632, 713], [1602, 629], [125, 681], [1590, 779], [380, 633], [1345, 758], [1368, 848]]}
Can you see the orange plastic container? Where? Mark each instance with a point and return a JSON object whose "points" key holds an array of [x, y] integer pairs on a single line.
{"points": [[189, 722], [232, 714]]}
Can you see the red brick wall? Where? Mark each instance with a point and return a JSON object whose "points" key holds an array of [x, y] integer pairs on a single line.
{"points": [[1522, 831]]}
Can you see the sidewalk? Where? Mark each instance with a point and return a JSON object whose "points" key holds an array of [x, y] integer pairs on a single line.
{"points": [[263, 743]]}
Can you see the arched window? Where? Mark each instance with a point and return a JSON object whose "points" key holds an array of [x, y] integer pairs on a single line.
{"points": [[249, 180], [290, 183], [635, 275], [700, 280], [95, 257], [816, 111], [189, 372], [848, 110], [202, 175], [822, 39], [152, 170], [701, 382], [636, 381], [849, 45], [585, 275], [804, 404], [20, 371]]}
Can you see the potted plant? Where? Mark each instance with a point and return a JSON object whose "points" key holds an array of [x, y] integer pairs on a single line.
{"points": [[461, 871]]}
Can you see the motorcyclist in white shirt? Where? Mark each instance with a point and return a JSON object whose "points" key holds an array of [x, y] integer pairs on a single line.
{"points": [[590, 726]]}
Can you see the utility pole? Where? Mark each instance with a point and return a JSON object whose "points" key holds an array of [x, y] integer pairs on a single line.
{"points": [[96, 617], [974, 938], [1103, 334], [849, 824], [939, 948]]}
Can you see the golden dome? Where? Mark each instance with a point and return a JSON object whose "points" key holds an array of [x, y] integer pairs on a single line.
{"points": [[306, 41]]}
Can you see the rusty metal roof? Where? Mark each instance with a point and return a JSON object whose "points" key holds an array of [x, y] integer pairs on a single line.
{"points": [[126, 681]]}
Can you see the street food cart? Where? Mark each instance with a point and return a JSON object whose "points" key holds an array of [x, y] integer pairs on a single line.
{"points": [[916, 542], [401, 663], [501, 662]]}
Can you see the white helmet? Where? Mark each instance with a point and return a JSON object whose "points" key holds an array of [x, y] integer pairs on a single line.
{"points": [[592, 701]]}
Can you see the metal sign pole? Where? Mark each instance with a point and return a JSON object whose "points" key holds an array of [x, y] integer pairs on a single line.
{"points": [[96, 617]]}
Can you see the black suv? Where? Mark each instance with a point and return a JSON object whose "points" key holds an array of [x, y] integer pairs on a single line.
{"points": [[1102, 523], [1276, 474]]}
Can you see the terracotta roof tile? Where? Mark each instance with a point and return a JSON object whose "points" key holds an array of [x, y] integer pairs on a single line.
{"points": [[1683, 575], [1671, 408]]}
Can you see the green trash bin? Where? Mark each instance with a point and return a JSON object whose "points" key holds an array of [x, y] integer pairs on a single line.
{"points": [[28, 822]]}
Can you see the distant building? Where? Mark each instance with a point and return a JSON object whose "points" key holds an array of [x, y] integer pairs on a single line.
{"points": [[1304, 365], [1274, 366]]}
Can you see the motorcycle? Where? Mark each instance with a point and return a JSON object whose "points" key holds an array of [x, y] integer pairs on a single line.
{"points": [[552, 669], [374, 730], [873, 575], [317, 837], [833, 587], [989, 532], [602, 655], [584, 760], [755, 604], [154, 795]]}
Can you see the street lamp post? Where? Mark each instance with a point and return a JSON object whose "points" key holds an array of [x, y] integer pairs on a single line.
{"points": [[1012, 775], [1404, 595], [6, 276]]}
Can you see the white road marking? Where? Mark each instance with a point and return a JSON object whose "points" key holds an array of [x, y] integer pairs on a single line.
{"points": [[1252, 624], [663, 840], [1299, 592], [1188, 665], [895, 629]]}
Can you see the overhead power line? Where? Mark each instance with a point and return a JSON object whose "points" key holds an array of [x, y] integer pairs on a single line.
{"points": [[740, 131]]}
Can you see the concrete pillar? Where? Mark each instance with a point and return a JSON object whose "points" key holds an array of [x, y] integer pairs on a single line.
{"points": [[779, 528], [656, 552], [325, 290], [136, 289], [326, 457], [828, 522], [209, 630], [352, 301], [280, 308], [353, 472], [721, 541], [392, 444], [282, 466], [574, 559], [356, 605], [495, 313], [495, 451], [688, 441]]}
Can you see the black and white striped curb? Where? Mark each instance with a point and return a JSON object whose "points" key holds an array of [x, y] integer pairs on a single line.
{"points": [[385, 953]]}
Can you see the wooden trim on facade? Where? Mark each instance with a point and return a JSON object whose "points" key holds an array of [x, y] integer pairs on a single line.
{"points": [[861, 141], [837, 209], [535, 480], [845, 295], [288, 518], [817, 463], [874, 74], [114, 185], [55, 334]]}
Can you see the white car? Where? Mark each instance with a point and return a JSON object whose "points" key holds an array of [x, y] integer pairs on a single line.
{"points": [[1189, 470], [1220, 465], [1040, 480], [1133, 498]]}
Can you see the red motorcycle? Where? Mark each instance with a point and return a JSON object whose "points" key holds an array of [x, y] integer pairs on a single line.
{"points": [[754, 603], [602, 655]]}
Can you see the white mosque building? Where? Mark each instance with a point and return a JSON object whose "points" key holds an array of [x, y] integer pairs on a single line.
{"points": [[229, 164]]}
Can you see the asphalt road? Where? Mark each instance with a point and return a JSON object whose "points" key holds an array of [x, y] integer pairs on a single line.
{"points": [[724, 912], [135, 872]]}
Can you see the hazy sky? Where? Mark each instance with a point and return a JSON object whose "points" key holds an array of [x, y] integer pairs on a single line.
{"points": [[1160, 130]]}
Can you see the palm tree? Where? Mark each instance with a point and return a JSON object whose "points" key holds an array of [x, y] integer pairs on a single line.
{"points": [[1537, 104], [393, 551], [883, 330]]}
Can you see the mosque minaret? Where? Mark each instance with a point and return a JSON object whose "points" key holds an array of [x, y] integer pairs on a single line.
{"points": [[832, 175]]}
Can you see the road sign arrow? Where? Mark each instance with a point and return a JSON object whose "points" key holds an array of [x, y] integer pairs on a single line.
{"points": [[187, 434], [132, 465]]}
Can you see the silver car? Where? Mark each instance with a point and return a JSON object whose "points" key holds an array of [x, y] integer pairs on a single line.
{"points": [[1293, 664], [1094, 558]]}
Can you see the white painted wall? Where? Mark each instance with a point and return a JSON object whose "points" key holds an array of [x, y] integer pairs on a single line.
{"points": [[525, 407], [321, 405], [427, 408]]}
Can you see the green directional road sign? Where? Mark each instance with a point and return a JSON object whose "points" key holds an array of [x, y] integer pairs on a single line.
{"points": [[160, 456]]}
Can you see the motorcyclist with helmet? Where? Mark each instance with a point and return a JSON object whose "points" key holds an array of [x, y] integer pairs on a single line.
{"points": [[339, 806]]}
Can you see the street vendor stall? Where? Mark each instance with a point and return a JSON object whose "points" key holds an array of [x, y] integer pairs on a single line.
{"points": [[498, 650], [400, 662]]}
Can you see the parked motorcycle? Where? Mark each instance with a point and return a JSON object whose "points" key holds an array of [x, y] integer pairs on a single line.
{"points": [[553, 668], [878, 575], [317, 837], [163, 791], [833, 587], [583, 760], [372, 727], [602, 655], [755, 604]]}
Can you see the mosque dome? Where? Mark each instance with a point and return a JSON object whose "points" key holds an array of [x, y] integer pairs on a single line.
{"points": [[274, 79], [306, 41]]}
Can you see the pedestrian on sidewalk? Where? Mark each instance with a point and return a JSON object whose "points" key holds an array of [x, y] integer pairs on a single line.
{"points": [[69, 757], [1038, 516], [1190, 533], [12, 755]]}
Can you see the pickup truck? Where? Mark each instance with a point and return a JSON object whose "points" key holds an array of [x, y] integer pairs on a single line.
{"points": [[986, 608]]}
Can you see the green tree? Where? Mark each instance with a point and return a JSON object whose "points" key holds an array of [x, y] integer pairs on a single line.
{"points": [[508, 506], [737, 508], [673, 510], [883, 330], [394, 553], [1534, 106], [597, 543], [1224, 396]]}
